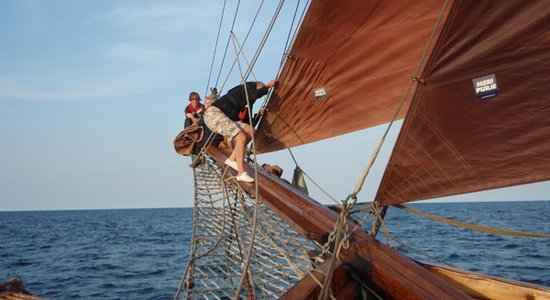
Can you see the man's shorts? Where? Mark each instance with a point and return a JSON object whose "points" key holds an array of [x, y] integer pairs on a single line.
{"points": [[218, 122]]}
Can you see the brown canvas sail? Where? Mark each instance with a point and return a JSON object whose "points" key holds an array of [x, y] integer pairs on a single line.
{"points": [[482, 120], [478, 120], [362, 54]]}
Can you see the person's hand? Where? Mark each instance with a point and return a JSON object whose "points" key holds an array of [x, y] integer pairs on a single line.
{"points": [[262, 111], [271, 83]]}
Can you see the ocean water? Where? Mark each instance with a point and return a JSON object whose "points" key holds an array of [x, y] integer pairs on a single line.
{"points": [[141, 253], [96, 254]]}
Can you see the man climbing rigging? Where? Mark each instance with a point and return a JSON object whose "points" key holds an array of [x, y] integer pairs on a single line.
{"points": [[223, 118]]}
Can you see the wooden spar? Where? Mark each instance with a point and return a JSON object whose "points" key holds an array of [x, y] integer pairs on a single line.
{"points": [[389, 271], [13, 289], [490, 287], [308, 288], [18, 296]]}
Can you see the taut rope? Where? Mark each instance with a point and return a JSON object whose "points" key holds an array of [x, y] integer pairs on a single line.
{"points": [[485, 229]]}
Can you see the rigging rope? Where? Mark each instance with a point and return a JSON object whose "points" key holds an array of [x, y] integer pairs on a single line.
{"points": [[239, 51], [284, 56], [311, 179], [290, 33], [215, 47], [193, 256], [264, 39], [414, 79], [248, 257], [485, 229], [244, 42], [278, 258], [245, 267], [389, 238], [345, 208], [227, 44], [372, 211], [256, 207], [338, 239]]}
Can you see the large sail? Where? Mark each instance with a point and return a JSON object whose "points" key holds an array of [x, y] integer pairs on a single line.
{"points": [[482, 119], [348, 69]]}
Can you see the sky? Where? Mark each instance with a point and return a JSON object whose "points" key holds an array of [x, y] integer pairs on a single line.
{"points": [[92, 95]]}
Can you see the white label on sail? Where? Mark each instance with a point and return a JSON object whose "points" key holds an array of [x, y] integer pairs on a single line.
{"points": [[486, 86], [320, 93]]}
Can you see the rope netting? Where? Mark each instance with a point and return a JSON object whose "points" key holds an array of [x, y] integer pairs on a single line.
{"points": [[222, 233]]}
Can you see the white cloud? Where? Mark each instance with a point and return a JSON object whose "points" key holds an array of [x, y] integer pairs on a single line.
{"points": [[62, 88]]}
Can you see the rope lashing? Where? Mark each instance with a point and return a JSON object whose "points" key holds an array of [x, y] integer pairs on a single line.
{"points": [[339, 238]]}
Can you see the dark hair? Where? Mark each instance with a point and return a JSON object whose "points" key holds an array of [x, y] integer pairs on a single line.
{"points": [[194, 94]]}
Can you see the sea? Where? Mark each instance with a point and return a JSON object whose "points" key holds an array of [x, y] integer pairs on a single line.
{"points": [[142, 253]]}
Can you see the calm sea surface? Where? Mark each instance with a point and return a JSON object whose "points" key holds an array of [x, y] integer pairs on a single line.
{"points": [[140, 254]]}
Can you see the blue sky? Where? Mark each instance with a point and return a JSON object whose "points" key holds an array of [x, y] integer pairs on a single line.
{"points": [[92, 94]]}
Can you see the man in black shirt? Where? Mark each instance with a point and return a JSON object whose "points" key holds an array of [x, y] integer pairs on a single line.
{"points": [[223, 118]]}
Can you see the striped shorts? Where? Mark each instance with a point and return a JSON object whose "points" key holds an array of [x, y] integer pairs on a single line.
{"points": [[218, 122]]}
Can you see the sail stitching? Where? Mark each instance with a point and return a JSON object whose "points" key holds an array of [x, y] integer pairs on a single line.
{"points": [[450, 147], [414, 79], [409, 88], [341, 225], [290, 41], [343, 43]]}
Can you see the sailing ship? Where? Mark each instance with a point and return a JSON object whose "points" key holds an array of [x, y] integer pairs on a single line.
{"points": [[470, 80]]}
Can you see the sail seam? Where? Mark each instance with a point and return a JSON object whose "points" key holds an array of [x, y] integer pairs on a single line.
{"points": [[413, 80]]}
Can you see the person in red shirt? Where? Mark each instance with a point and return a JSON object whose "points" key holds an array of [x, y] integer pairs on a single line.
{"points": [[194, 111]]}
